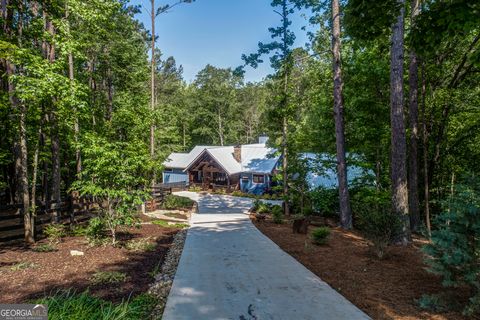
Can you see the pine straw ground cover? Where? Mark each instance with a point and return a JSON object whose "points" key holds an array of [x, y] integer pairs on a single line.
{"points": [[131, 270], [384, 289]]}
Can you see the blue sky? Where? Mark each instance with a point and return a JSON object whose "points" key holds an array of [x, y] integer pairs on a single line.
{"points": [[216, 32]]}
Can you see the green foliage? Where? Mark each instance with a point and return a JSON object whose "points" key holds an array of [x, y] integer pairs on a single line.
{"points": [[166, 224], [55, 232], [173, 202], [375, 219], [367, 20], [264, 208], [77, 230], [256, 205], [142, 244], [44, 247], [22, 266], [325, 201], [68, 305], [454, 250], [320, 235], [436, 303], [108, 277], [113, 173], [95, 229], [277, 214]]}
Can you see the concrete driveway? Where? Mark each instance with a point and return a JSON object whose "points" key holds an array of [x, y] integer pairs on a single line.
{"points": [[229, 270]]}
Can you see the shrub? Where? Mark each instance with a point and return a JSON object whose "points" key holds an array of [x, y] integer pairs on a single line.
{"points": [[95, 229], [454, 251], [256, 205], [264, 208], [436, 303], [78, 230], [44, 247], [379, 227], [237, 193], [69, 305], [23, 266], [320, 235], [104, 277], [55, 232], [325, 201], [142, 244], [173, 202], [277, 214]]}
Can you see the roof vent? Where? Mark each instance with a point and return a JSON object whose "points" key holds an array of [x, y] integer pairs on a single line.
{"points": [[263, 139]]}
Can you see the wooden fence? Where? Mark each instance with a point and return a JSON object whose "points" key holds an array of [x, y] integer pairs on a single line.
{"points": [[68, 211]]}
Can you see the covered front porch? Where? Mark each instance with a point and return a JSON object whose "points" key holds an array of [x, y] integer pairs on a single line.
{"points": [[208, 174]]}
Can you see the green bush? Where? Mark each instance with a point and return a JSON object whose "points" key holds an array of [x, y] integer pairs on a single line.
{"points": [[277, 214], [380, 228], [71, 306], [454, 250], [173, 202], [104, 277], [436, 303], [256, 205], [55, 232], [325, 201], [320, 235], [237, 193], [78, 230], [95, 229], [142, 244], [44, 247], [264, 208]]}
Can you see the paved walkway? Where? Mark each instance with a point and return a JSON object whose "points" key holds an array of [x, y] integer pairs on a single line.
{"points": [[229, 270]]}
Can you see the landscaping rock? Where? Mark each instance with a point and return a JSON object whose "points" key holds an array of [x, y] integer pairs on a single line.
{"points": [[164, 279], [76, 253]]}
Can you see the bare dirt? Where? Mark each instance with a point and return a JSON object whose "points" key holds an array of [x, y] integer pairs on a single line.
{"points": [[384, 289], [52, 271]]}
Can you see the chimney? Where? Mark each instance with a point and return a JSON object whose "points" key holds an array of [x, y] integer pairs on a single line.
{"points": [[263, 138], [237, 153]]}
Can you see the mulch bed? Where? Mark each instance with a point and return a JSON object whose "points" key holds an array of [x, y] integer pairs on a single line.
{"points": [[384, 289], [53, 271]]}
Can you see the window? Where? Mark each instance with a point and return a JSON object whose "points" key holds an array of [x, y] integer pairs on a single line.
{"points": [[257, 178]]}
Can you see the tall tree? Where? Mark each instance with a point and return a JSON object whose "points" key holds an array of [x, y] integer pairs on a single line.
{"points": [[281, 62], [338, 110], [398, 134], [413, 201]]}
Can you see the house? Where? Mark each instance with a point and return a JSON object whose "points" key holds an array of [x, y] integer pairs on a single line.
{"points": [[246, 167]]}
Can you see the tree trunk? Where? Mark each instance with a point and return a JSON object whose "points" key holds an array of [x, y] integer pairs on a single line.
{"points": [[425, 156], [414, 132], [398, 135], [20, 144], [344, 197], [76, 126], [55, 143], [152, 102]]}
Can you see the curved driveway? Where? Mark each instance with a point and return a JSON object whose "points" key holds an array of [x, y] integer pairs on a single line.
{"points": [[230, 270]]}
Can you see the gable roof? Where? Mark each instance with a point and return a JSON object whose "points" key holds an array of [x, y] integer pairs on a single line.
{"points": [[182, 160], [256, 158]]}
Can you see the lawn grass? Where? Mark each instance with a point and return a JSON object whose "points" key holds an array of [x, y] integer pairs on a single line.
{"points": [[166, 224], [68, 305]]}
